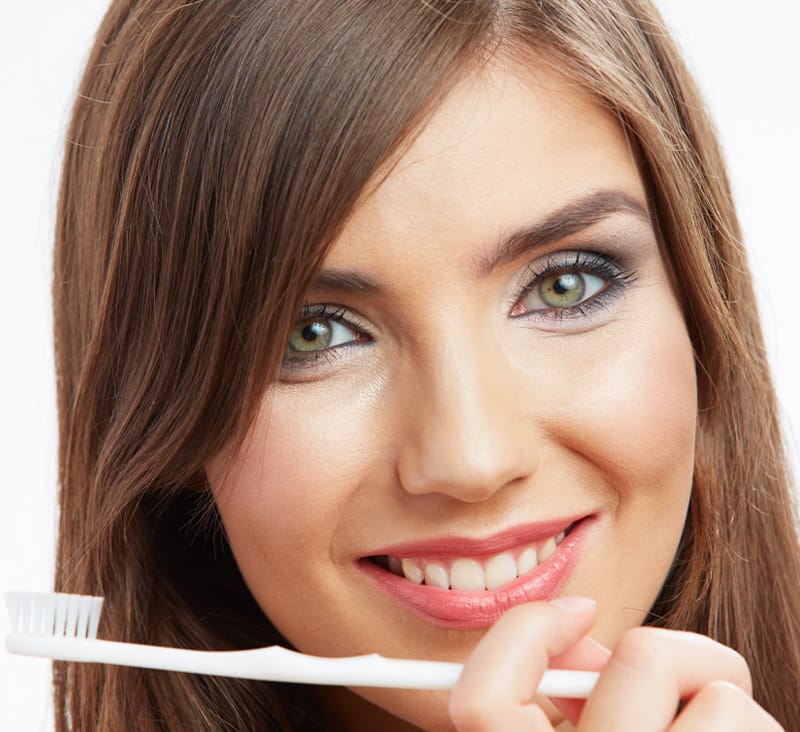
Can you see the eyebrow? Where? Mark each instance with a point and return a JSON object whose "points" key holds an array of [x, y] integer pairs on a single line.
{"points": [[345, 281], [566, 221]]}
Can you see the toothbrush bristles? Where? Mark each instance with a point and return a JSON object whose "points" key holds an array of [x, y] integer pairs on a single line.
{"points": [[54, 614]]}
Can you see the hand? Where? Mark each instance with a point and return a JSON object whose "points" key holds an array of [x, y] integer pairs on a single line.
{"points": [[641, 684]]}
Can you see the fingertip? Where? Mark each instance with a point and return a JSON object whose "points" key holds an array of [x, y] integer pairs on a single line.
{"points": [[575, 604]]}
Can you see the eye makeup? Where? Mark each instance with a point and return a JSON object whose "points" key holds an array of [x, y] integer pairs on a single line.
{"points": [[319, 336], [556, 291], [570, 284]]}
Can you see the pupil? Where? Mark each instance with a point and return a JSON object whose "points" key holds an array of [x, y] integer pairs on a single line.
{"points": [[310, 335], [311, 332], [564, 284]]}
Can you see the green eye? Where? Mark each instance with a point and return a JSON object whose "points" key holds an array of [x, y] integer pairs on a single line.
{"points": [[319, 334], [310, 335], [563, 290]]}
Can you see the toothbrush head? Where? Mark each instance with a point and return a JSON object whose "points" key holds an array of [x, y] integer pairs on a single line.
{"points": [[54, 614]]}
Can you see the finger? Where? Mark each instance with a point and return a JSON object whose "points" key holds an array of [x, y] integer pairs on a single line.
{"points": [[502, 673], [587, 655], [720, 705], [650, 671]]}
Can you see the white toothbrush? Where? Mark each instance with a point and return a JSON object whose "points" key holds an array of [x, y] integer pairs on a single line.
{"points": [[64, 627]]}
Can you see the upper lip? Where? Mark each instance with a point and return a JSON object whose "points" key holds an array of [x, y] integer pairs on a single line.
{"points": [[460, 546]]}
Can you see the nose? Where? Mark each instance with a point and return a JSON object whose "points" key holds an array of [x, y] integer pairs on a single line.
{"points": [[467, 434]]}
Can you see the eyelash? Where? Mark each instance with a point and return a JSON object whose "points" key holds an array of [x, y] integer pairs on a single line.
{"points": [[296, 361], [615, 276], [616, 279]]}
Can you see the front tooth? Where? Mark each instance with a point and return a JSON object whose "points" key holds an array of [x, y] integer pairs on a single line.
{"points": [[527, 561], [547, 549], [467, 574], [411, 571], [436, 575], [396, 566], [500, 570]]}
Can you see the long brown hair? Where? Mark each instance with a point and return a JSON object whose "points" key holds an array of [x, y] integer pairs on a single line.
{"points": [[215, 150]]}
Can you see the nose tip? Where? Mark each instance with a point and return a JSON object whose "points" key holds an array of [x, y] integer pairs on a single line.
{"points": [[470, 474], [467, 440]]}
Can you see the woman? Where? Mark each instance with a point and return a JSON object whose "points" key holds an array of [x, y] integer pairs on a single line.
{"points": [[378, 320]]}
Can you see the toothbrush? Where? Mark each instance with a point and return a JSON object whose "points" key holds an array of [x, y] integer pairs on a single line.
{"points": [[64, 627]]}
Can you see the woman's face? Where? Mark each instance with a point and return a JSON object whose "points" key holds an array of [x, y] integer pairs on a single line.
{"points": [[491, 388]]}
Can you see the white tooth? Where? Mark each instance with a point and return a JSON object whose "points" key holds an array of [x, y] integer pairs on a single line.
{"points": [[560, 538], [547, 549], [411, 571], [527, 561], [500, 570], [436, 575], [396, 566], [467, 574]]}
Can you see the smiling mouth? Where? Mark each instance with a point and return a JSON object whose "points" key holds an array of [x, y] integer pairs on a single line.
{"points": [[474, 573]]}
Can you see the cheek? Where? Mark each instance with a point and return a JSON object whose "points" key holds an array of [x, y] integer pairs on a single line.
{"points": [[294, 459], [636, 407], [286, 495], [636, 429], [652, 410], [262, 493]]}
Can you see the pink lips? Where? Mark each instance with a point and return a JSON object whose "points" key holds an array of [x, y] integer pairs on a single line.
{"points": [[479, 609]]}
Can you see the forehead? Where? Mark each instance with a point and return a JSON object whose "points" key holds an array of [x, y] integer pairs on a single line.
{"points": [[507, 146]]}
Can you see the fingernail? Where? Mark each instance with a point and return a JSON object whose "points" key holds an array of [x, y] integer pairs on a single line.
{"points": [[575, 605]]}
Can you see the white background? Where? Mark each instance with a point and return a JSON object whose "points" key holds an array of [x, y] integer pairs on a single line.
{"points": [[747, 62]]}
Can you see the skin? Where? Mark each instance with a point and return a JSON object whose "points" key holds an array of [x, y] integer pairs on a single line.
{"points": [[450, 409]]}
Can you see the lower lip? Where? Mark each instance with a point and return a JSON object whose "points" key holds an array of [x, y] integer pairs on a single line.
{"points": [[470, 610]]}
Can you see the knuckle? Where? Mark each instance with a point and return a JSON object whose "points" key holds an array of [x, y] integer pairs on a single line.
{"points": [[653, 651], [723, 695], [731, 708], [641, 648], [741, 671]]}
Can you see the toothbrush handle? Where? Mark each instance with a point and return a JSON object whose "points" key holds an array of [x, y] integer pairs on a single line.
{"points": [[280, 664]]}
